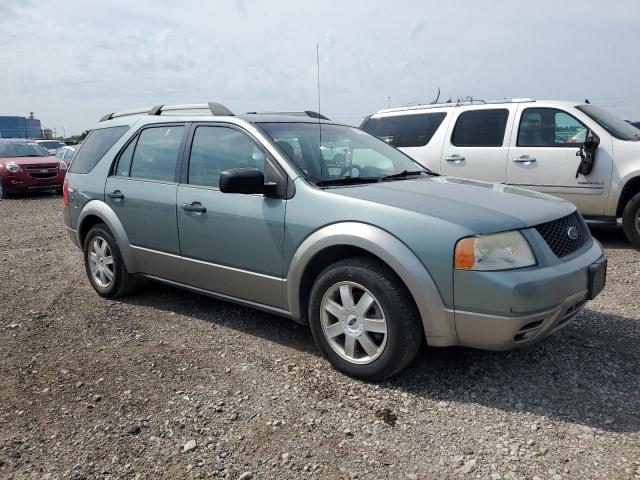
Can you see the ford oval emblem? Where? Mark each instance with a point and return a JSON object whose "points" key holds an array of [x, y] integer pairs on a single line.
{"points": [[572, 233]]}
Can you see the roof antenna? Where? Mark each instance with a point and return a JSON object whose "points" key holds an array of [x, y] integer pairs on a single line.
{"points": [[318, 67], [437, 97], [319, 112]]}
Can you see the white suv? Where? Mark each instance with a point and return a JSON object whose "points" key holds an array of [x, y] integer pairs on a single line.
{"points": [[574, 150]]}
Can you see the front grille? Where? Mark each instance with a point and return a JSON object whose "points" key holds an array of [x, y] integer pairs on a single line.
{"points": [[557, 234], [42, 171]]}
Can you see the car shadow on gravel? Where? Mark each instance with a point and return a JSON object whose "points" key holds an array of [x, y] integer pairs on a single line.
{"points": [[250, 321], [35, 196], [610, 236], [586, 374]]}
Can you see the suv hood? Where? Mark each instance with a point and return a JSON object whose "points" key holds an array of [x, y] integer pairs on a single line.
{"points": [[24, 161], [482, 207]]}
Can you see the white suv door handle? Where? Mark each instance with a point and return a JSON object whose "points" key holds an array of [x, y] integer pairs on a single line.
{"points": [[526, 159], [455, 158]]}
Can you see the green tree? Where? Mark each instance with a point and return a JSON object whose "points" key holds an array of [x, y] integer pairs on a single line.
{"points": [[77, 138]]}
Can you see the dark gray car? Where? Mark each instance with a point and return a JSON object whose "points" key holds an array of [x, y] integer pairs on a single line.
{"points": [[377, 255]]}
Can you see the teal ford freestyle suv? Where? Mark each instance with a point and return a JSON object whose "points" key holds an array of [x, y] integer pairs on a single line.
{"points": [[375, 253]]}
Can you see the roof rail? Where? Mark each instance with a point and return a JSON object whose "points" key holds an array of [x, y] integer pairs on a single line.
{"points": [[305, 113], [212, 108], [458, 103]]}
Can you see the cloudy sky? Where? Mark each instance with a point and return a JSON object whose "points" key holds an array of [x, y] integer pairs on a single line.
{"points": [[72, 61]]}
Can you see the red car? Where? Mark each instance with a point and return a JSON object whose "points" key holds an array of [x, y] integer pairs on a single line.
{"points": [[26, 166]]}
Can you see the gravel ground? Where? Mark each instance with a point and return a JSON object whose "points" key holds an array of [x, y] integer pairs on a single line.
{"points": [[168, 384]]}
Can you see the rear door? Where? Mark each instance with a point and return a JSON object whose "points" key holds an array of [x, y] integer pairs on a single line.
{"points": [[543, 157], [231, 244], [477, 144], [141, 190]]}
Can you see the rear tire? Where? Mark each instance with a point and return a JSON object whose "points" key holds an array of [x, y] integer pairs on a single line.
{"points": [[364, 320], [631, 220], [3, 191], [104, 264]]}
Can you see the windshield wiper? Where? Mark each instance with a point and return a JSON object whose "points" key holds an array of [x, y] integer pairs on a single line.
{"points": [[405, 173], [346, 181]]}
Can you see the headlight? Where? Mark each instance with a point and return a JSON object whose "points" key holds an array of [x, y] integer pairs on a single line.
{"points": [[13, 167], [62, 165], [500, 251]]}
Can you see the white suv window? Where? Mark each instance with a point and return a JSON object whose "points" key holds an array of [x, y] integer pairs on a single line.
{"points": [[549, 127], [480, 128], [415, 130]]}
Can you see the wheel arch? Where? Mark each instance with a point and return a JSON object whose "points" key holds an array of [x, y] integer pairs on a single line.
{"points": [[97, 211], [342, 240], [631, 188]]}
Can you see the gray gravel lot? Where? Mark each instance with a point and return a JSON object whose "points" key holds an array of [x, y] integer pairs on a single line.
{"points": [[168, 384]]}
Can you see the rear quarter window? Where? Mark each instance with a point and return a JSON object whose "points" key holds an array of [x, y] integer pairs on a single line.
{"points": [[405, 130], [95, 146]]}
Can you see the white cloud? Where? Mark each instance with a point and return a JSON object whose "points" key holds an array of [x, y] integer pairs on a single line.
{"points": [[71, 62]]}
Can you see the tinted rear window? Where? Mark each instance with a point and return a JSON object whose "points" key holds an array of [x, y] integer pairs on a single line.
{"points": [[156, 153], [95, 146], [480, 128], [405, 130]]}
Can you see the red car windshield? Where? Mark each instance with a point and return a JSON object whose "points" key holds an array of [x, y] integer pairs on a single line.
{"points": [[13, 150]]}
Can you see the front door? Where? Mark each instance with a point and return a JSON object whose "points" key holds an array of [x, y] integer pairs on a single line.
{"points": [[477, 144], [543, 157], [142, 193], [231, 244]]}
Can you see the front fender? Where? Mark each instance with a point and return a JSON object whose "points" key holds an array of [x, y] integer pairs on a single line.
{"points": [[98, 208], [618, 187], [438, 322]]}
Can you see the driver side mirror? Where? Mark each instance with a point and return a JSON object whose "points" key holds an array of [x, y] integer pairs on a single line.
{"points": [[587, 153], [591, 141], [246, 181]]}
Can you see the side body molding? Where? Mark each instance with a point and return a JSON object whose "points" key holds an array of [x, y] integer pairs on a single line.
{"points": [[438, 322], [101, 210]]}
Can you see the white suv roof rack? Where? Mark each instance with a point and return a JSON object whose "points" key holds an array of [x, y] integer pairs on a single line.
{"points": [[458, 103], [211, 108]]}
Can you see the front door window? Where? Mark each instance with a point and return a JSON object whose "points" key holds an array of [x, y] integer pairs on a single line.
{"points": [[550, 127]]}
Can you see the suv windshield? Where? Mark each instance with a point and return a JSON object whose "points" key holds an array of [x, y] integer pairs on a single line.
{"points": [[335, 154], [612, 124], [13, 150]]}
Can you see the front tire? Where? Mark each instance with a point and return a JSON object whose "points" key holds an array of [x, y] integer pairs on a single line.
{"points": [[364, 319], [631, 220], [104, 264]]}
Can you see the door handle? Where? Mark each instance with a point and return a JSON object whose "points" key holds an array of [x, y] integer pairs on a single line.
{"points": [[116, 194], [194, 207], [526, 159], [455, 158]]}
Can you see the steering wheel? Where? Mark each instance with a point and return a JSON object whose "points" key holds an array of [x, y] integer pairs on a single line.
{"points": [[348, 168]]}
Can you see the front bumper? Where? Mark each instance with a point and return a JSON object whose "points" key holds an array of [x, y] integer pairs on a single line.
{"points": [[22, 182], [508, 309]]}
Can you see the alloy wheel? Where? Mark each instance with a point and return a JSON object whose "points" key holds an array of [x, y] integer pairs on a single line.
{"points": [[100, 262], [353, 322]]}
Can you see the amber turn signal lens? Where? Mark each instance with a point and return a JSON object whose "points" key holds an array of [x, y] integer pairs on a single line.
{"points": [[465, 258]]}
